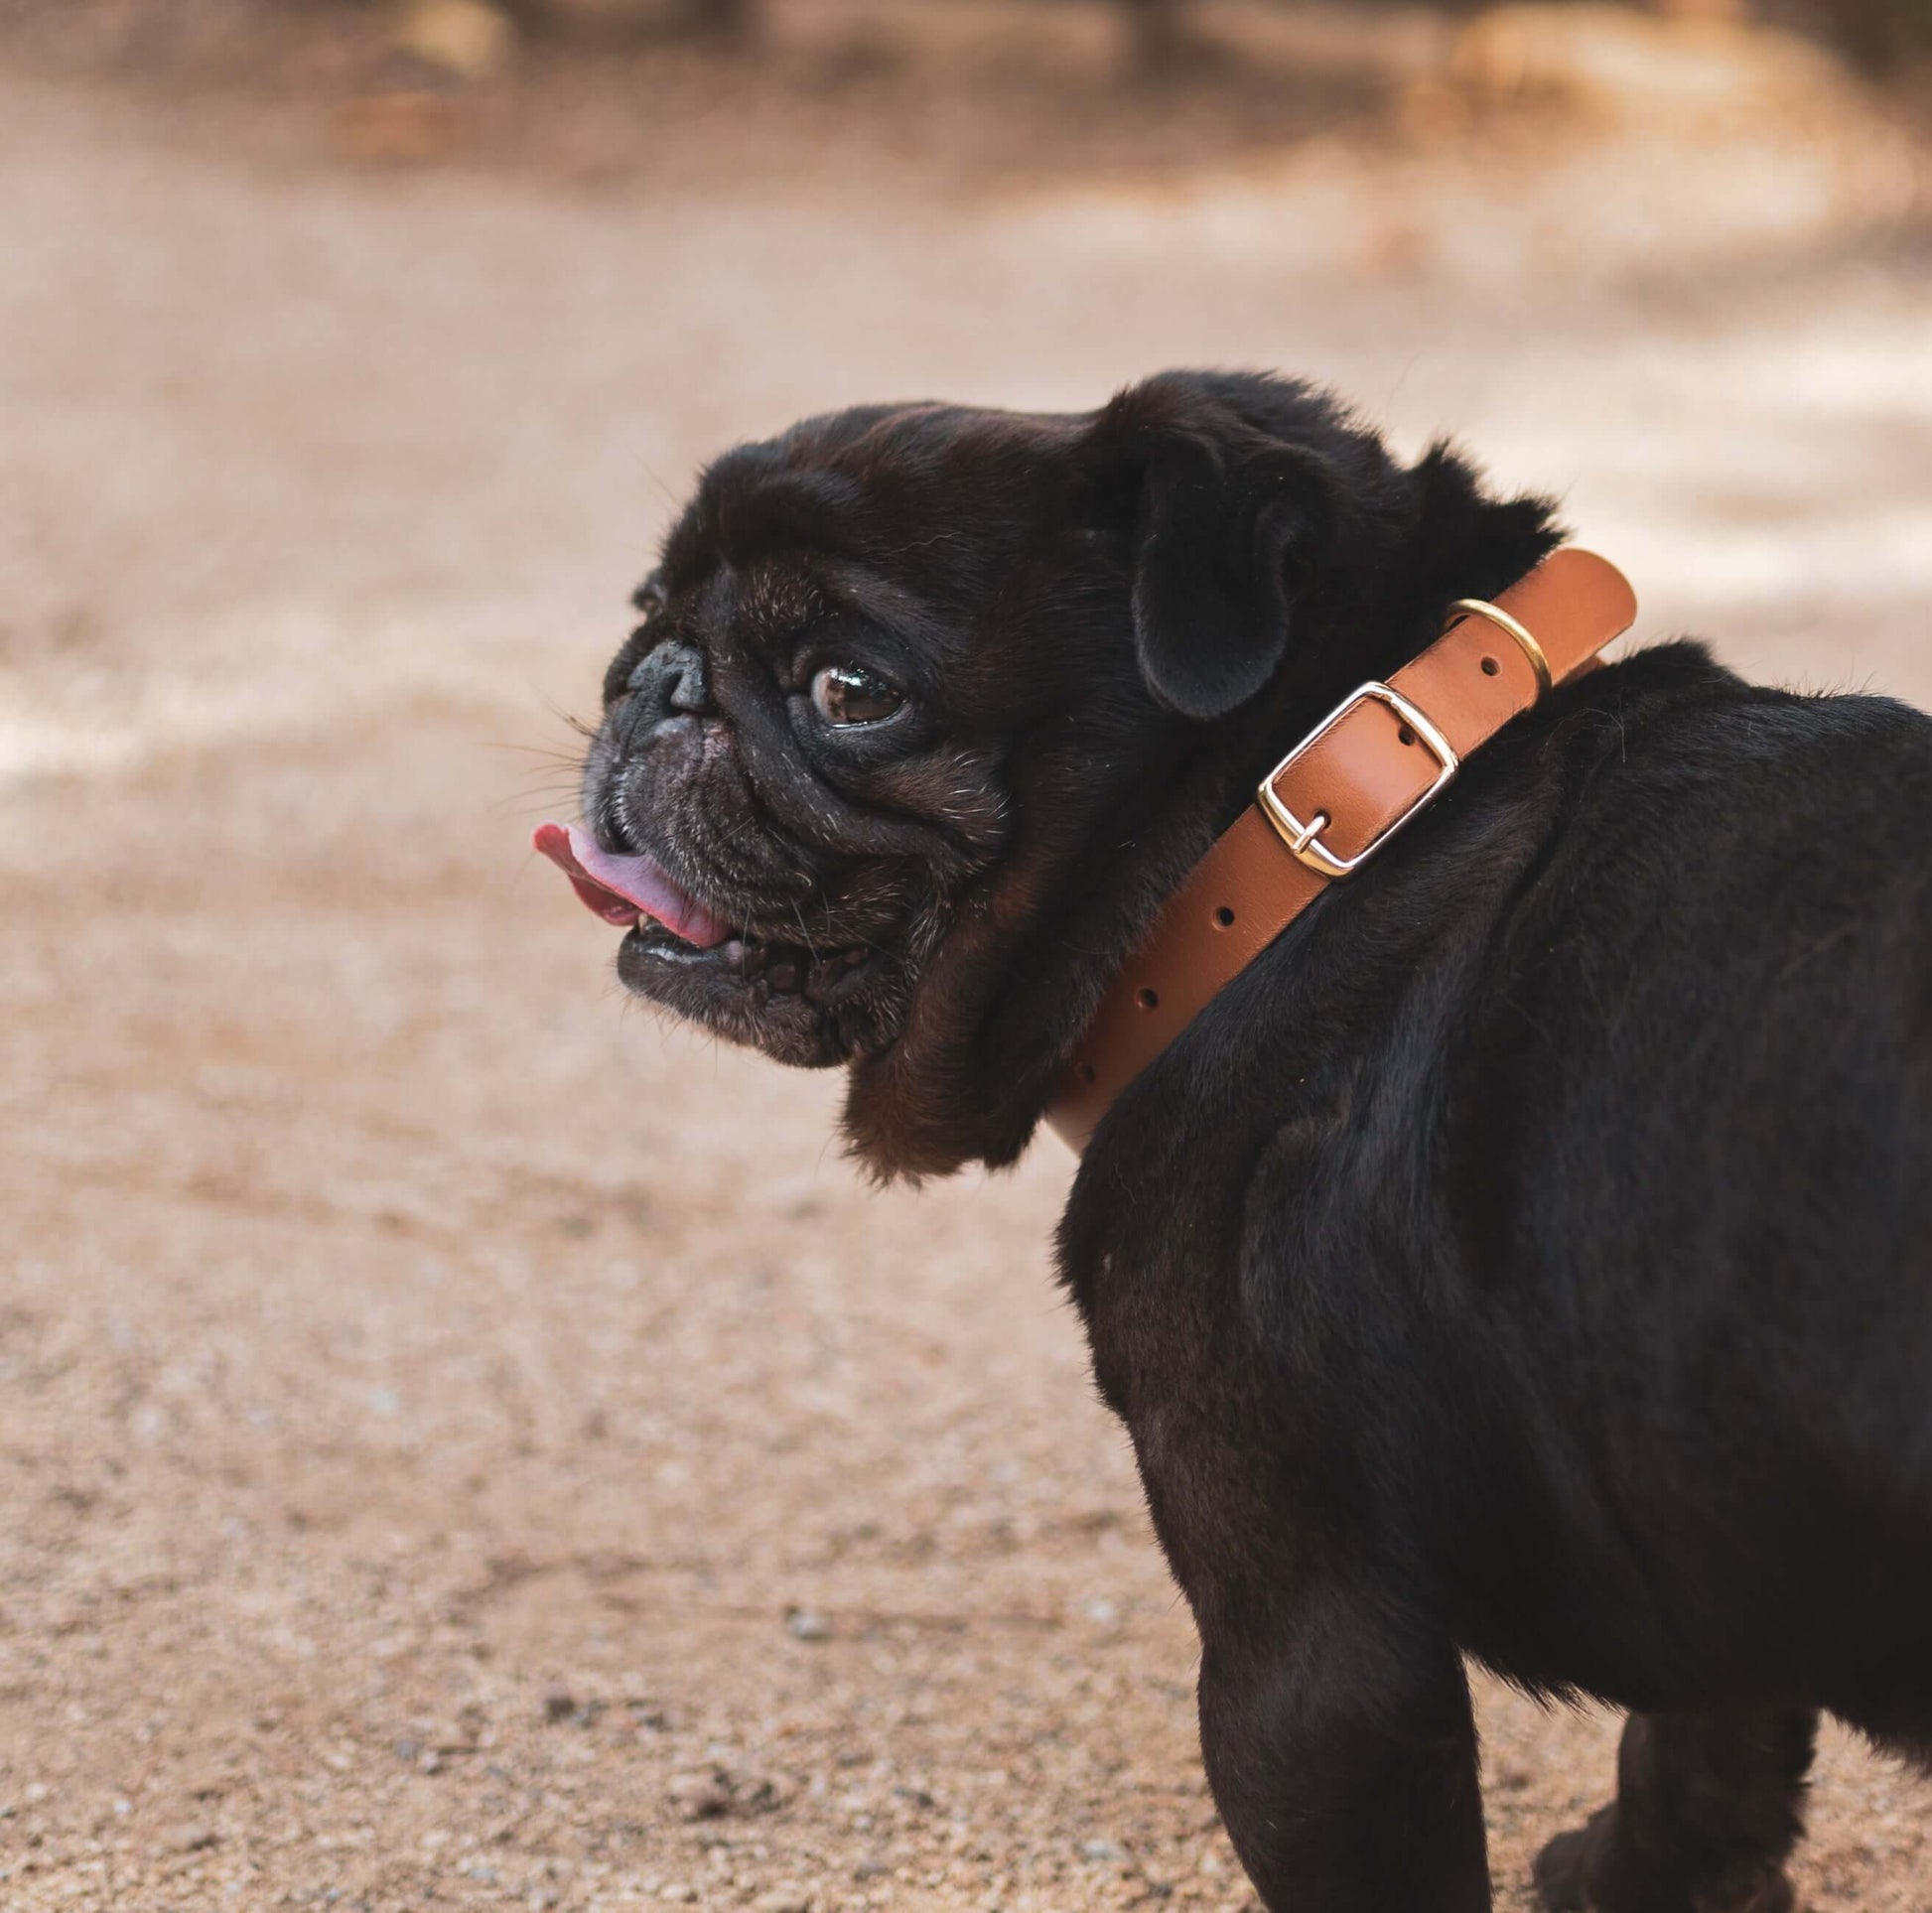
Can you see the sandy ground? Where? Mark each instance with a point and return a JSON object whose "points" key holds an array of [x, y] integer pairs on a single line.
{"points": [[460, 1443]]}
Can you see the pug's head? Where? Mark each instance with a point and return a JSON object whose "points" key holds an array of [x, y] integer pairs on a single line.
{"points": [[929, 708]]}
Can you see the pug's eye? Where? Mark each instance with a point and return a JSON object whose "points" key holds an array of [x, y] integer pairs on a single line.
{"points": [[848, 694]]}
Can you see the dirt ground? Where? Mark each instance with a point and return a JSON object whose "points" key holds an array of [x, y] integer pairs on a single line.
{"points": [[460, 1442]]}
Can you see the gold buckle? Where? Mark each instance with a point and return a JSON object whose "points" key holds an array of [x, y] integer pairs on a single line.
{"points": [[1305, 839]]}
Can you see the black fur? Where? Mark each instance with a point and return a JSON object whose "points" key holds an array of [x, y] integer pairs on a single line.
{"points": [[1528, 1257]]}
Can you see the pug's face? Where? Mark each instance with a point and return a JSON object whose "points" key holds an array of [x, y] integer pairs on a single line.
{"points": [[928, 707], [811, 732]]}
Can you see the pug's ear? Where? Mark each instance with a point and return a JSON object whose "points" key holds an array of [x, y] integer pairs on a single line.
{"points": [[1224, 521]]}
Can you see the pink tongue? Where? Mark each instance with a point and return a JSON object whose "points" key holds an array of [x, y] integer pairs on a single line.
{"points": [[623, 888]]}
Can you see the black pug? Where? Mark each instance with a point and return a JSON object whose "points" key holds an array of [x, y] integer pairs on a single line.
{"points": [[1528, 1256]]}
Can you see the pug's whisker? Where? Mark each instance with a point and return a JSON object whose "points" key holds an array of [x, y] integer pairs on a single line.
{"points": [[565, 717], [549, 753], [805, 933], [564, 799], [537, 807]]}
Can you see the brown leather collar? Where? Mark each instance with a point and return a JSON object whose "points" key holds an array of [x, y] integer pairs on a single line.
{"points": [[1335, 799]]}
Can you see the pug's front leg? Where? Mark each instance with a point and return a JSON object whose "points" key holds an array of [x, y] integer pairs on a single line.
{"points": [[1342, 1756]]}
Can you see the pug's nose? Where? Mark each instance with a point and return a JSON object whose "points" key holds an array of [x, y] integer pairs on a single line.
{"points": [[668, 683]]}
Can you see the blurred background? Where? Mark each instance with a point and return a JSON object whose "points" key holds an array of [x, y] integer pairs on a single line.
{"points": [[462, 1444]]}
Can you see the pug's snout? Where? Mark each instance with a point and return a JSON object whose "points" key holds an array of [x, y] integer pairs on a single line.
{"points": [[660, 707], [669, 682]]}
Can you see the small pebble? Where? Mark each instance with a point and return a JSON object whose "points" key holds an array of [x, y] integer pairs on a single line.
{"points": [[807, 1624], [699, 1796]]}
